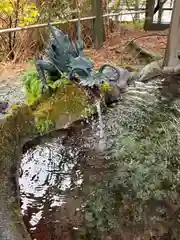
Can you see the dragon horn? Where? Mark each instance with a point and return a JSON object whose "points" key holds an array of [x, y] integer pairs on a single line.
{"points": [[79, 30], [54, 34]]}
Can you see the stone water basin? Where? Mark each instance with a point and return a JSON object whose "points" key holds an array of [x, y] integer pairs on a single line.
{"points": [[57, 175], [60, 172]]}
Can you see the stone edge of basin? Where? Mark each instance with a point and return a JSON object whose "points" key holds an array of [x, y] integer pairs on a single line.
{"points": [[15, 130]]}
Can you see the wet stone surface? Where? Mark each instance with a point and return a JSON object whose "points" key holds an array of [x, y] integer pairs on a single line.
{"points": [[3, 107]]}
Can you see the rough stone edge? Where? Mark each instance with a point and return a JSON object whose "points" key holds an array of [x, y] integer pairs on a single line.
{"points": [[12, 130], [145, 51], [153, 70]]}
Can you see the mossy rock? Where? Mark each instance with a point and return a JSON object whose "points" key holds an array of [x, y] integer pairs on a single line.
{"points": [[13, 129], [66, 105]]}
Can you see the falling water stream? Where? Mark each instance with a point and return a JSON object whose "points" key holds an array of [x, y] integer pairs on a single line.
{"points": [[102, 140]]}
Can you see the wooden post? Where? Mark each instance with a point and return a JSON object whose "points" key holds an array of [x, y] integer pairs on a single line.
{"points": [[98, 23], [137, 15], [74, 15], [149, 13], [115, 8], [160, 14], [172, 55]]}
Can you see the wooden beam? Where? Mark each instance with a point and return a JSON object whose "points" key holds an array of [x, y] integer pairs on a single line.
{"points": [[158, 26], [172, 56], [74, 16], [17, 29], [98, 23], [43, 25]]}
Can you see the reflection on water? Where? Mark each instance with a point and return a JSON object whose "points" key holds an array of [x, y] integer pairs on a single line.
{"points": [[50, 170], [56, 177], [48, 167]]}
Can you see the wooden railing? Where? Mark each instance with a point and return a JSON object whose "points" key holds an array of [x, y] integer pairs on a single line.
{"points": [[98, 42], [41, 25]]}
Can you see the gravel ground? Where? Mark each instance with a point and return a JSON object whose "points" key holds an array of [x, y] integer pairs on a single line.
{"points": [[13, 94]]}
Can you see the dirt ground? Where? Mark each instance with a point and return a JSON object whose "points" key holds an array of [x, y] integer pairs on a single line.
{"points": [[115, 50], [10, 72]]}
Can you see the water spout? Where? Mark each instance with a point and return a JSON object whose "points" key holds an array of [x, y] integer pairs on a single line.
{"points": [[102, 140]]}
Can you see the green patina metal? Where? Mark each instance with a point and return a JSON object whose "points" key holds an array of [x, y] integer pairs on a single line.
{"points": [[67, 56]]}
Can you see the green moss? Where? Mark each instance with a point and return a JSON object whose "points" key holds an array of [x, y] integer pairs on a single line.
{"points": [[66, 100], [89, 110], [44, 125], [14, 107], [105, 87], [63, 103], [8, 115], [13, 130]]}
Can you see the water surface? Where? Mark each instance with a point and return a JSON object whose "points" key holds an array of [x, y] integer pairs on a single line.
{"points": [[56, 176]]}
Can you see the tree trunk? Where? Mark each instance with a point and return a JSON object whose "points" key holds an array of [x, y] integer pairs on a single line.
{"points": [[137, 15], [172, 56], [98, 23], [149, 13], [160, 15], [74, 15]]}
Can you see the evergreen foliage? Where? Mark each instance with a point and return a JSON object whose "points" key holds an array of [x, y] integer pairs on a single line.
{"points": [[144, 188], [32, 85]]}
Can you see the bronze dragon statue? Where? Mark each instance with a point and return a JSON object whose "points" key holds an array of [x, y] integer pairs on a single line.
{"points": [[67, 56]]}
